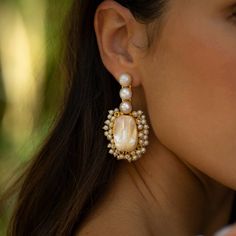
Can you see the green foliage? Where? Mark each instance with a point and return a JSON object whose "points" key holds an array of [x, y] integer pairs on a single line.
{"points": [[43, 21]]}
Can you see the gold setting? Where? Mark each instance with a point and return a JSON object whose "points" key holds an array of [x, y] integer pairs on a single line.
{"points": [[143, 132]]}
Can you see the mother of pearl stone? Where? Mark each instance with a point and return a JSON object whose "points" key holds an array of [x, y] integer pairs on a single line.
{"points": [[125, 133]]}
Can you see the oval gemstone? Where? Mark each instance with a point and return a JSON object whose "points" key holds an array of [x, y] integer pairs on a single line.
{"points": [[125, 133]]}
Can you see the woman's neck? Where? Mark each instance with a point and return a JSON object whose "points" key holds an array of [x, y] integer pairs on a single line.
{"points": [[162, 195]]}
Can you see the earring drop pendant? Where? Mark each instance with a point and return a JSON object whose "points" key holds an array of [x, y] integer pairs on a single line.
{"points": [[126, 130]]}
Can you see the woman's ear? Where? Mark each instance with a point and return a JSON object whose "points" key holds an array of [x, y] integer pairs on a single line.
{"points": [[120, 38]]}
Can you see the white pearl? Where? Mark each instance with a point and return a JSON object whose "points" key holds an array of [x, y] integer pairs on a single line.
{"points": [[125, 80], [105, 127], [125, 133], [140, 127], [146, 143], [143, 150], [126, 107], [145, 137], [140, 112], [146, 131], [125, 93]]}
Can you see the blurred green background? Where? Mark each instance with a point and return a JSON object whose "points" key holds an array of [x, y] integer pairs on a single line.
{"points": [[30, 84]]}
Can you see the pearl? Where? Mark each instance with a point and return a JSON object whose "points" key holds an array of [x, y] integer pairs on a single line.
{"points": [[146, 143], [125, 133], [143, 122], [145, 137], [125, 80], [126, 107], [140, 112], [107, 122], [141, 141], [138, 152], [135, 114], [143, 150], [105, 127], [146, 131], [125, 93], [140, 127], [140, 134]]}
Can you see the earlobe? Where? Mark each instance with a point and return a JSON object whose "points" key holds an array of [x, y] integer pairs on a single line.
{"points": [[114, 28]]}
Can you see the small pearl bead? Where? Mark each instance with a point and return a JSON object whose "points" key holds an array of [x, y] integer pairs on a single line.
{"points": [[125, 93], [126, 107], [146, 132], [105, 127], [146, 143], [140, 134], [140, 112], [140, 127], [125, 80], [143, 122], [138, 152], [107, 122]]}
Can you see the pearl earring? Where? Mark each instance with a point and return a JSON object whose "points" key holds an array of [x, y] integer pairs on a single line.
{"points": [[126, 130]]}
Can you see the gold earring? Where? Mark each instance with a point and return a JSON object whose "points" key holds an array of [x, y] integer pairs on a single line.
{"points": [[126, 130]]}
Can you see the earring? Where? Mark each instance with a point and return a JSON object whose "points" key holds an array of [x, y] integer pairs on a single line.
{"points": [[126, 130]]}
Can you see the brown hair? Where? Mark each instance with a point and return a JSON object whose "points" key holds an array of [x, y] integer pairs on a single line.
{"points": [[68, 176], [71, 172]]}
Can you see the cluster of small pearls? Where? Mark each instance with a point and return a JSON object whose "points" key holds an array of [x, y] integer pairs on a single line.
{"points": [[125, 93], [143, 132]]}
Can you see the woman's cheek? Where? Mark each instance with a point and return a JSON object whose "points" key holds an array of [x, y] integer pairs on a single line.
{"points": [[191, 96]]}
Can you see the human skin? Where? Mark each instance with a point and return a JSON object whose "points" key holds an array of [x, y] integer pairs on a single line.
{"points": [[186, 83]]}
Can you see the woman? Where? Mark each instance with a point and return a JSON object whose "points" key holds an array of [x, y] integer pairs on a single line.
{"points": [[179, 57]]}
